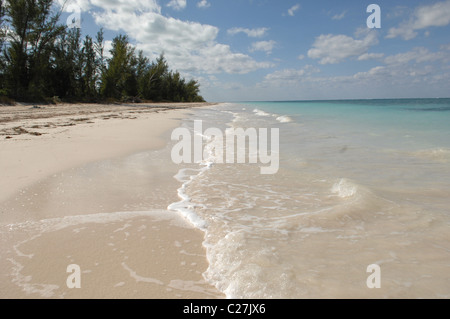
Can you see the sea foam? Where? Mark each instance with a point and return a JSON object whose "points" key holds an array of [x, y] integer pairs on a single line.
{"points": [[186, 207], [284, 119], [260, 113], [279, 118], [344, 188]]}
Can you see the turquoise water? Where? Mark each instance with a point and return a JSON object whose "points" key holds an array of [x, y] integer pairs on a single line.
{"points": [[359, 183], [427, 118]]}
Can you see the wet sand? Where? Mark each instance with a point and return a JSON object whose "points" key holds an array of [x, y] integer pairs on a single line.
{"points": [[81, 185]]}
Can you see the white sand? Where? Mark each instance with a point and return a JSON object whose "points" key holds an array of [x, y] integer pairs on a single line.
{"points": [[132, 255]]}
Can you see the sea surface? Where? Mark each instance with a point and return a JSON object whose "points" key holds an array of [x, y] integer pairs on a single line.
{"points": [[360, 182]]}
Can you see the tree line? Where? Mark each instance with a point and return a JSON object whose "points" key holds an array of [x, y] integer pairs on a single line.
{"points": [[43, 60]]}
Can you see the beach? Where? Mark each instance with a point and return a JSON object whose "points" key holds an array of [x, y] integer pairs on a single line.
{"points": [[69, 195], [319, 168], [358, 207]]}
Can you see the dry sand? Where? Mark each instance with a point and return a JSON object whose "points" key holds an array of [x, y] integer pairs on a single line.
{"points": [[77, 187]]}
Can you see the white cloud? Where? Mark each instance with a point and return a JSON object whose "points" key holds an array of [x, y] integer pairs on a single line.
{"points": [[445, 47], [419, 72], [177, 4], [404, 31], [397, 76], [289, 76], [113, 5], [368, 56], [72, 4], [373, 73], [293, 9], [331, 49], [253, 33], [107, 46], [266, 46], [379, 81], [435, 15], [398, 11], [417, 55], [232, 86], [189, 47], [301, 57], [339, 16], [203, 4]]}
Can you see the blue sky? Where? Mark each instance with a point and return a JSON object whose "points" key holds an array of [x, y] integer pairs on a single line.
{"points": [[287, 50]]}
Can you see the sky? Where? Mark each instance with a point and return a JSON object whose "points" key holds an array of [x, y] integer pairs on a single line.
{"points": [[254, 50]]}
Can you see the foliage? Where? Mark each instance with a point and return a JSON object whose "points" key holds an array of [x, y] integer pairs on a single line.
{"points": [[42, 60]]}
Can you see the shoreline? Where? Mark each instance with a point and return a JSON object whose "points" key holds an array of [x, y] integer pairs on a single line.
{"points": [[54, 135], [70, 195]]}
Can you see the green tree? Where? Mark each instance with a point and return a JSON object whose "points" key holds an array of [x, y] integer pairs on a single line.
{"points": [[40, 59], [89, 69], [67, 66], [99, 47], [156, 79], [33, 30], [119, 79], [3, 91], [143, 75], [192, 92], [74, 56]]}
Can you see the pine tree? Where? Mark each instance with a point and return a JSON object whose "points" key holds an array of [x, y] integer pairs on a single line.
{"points": [[192, 92], [89, 72], [143, 75], [3, 91], [75, 63], [19, 18], [119, 78], [42, 59], [157, 74], [34, 29], [99, 47]]}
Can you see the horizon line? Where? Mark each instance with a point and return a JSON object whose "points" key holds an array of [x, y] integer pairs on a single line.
{"points": [[347, 99]]}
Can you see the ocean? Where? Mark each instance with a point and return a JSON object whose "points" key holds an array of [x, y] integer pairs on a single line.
{"points": [[359, 183]]}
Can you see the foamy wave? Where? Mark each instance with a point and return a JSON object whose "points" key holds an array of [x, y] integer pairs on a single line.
{"points": [[355, 199], [279, 118], [186, 207], [260, 113], [284, 119], [58, 223], [344, 188], [237, 271]]}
